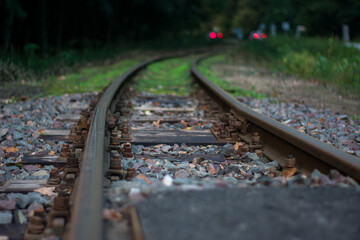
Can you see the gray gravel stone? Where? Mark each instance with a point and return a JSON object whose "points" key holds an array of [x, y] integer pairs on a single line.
{"points": [[22, 200], [35, 197], [20, 217], [5, 217]]}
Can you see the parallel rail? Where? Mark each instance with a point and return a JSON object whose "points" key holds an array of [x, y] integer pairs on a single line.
{"points": [[279, 141]]}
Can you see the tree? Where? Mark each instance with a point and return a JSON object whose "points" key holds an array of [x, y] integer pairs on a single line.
{"points": [[12, 9]]}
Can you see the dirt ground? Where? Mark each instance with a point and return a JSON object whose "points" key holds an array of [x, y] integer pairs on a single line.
{"points": [[285, 88]]}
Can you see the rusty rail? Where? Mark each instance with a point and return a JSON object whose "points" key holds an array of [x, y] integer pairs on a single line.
{"points": [[280, 140], [86, 218]]}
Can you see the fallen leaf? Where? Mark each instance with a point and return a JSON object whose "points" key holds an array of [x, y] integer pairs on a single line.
{"points": [[238, 145], [159, 145], [183, 122], [321, 120], [48, 191], [51, 153], [143, 177], [309, 123], [112, 214], [9, 149], [288, 172], [156, 123], [30, 123], [41, 130], [182, 152]]}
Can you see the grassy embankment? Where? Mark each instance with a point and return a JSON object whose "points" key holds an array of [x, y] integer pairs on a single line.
{"points": [[324, 60]]}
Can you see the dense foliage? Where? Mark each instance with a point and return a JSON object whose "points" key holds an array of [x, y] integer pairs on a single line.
{"points": [[320, 17], [60, 24], [53, 25]]}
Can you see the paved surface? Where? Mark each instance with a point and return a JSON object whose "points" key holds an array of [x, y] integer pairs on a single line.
{"points": [[254, 213]]}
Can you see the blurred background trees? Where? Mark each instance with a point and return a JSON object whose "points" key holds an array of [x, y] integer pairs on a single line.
{"points": [[45, 26]]}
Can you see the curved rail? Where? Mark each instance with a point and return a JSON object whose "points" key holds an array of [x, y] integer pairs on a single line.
{"points": [[86, 218], [280, 140]]}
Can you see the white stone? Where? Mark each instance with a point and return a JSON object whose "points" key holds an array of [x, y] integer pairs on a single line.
{"points": [[168, 181]]}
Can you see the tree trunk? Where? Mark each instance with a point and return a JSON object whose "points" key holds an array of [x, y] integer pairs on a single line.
{"points": [[8, 27], [43, 36], [60, 27]]}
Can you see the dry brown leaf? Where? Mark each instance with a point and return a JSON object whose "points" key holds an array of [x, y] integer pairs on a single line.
{"points": [[238, 145], [112, 214], [51, 153], [143, 177], [9, 149], [156, 123], [183, 122], [288, 172]]}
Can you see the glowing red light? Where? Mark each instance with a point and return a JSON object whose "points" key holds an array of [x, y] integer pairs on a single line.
{"points": [[212, 35], [220, 35], [263, 35], [255, 35]]}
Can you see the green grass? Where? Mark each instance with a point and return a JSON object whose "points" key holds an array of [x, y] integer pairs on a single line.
{"points": [[326, 60], [205, 68], [87, 79], [169, 77]]}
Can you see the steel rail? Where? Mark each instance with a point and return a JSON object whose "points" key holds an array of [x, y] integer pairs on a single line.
{"points": [[86, 221], [280, 140]]}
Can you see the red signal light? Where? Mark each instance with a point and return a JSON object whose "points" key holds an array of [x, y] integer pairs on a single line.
{"points": [[263, 35], [220, 35], [255, 35], [212, 35]]}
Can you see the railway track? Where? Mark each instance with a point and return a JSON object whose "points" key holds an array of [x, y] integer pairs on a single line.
{"points": [[138, 144], [139, 120]]}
